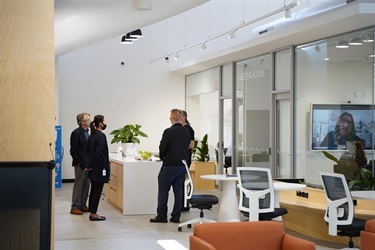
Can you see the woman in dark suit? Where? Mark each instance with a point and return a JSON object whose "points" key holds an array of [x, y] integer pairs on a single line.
{"points": [[99, 167]]}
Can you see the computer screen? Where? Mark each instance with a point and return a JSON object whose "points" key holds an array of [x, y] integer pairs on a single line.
{"points": [[336, 126]]}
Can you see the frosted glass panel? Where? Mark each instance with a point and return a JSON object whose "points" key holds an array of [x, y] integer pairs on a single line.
{"points": [[283, 66]]}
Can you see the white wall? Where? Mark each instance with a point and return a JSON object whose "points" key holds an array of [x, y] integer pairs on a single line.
{"points": [[93, 80]]}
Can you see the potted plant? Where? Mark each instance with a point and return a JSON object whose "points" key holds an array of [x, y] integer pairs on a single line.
{"points": [[353, 166], [201, 165], [200, 151], [129, 137]]}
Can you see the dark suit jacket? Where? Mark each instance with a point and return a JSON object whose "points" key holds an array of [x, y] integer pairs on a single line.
{"points": [[99, 157], [78, 144], [174, 145]]}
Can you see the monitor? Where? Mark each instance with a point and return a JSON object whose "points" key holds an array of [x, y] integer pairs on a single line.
{"points": [[336, 126]]}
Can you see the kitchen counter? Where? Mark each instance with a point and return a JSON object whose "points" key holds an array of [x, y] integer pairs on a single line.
{"points": [[133, 188]]}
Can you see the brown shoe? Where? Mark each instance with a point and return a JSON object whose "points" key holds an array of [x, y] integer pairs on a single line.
{"points": [[84, 209], [76, 211]]}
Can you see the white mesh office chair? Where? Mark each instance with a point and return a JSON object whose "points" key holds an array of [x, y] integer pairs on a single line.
{"points": [[200, 201], [257, 195], [340, 208]]}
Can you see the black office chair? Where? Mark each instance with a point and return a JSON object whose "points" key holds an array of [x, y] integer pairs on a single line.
{"points": [[200, 201], [227, 159], [257, 195], [340, 208]]}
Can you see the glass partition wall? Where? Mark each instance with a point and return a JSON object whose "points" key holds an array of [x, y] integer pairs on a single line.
{"points": [[336, 70], [252, 102], [272, 100]]}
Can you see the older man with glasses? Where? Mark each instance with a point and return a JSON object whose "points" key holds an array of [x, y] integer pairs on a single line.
{"points": [[78, 141]]}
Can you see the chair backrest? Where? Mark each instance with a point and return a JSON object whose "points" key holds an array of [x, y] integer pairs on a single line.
{"points": [[340, 207], [256, 191], [188, 185]]}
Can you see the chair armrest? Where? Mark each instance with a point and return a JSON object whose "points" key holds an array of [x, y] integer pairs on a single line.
{"points": [[199, 244], [291, 242]]}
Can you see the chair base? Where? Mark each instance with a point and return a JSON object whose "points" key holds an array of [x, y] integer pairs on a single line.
{"points": [[194, 221]]}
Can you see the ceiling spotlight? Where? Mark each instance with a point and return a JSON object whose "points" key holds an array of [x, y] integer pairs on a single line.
{"points": [[317, 48], [176, 56], [367, 38], [326, 59], [288, 13], [355, 41], [130, 37], [232, 34], [204, 46], [125, 41], [342, 44], [136, 33]]}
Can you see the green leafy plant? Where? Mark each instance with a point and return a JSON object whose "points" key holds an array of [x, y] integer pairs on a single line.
{"points": [[200, 151], [361, 178], [366, 182], [128, 134]]}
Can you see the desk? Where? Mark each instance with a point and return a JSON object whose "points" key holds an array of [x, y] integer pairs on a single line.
{"points": [[229, 203], [366, 194], [283, 186]]}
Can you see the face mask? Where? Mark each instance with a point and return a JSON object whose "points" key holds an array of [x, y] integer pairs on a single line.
{"points": [[104, 126], [87, 123]]}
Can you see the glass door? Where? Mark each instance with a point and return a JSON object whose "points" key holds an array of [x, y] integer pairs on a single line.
{"points": [[283, 137]]}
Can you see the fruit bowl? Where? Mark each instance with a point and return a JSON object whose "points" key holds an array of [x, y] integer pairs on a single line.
{"points": [[145, 155]]}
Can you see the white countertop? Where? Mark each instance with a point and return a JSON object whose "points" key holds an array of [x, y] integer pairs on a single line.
{"points": [[121, 159]]}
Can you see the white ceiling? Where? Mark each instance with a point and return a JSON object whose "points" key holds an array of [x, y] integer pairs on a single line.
{"points": [[83, 23]]}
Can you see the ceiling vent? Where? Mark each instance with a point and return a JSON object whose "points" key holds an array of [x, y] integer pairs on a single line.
{"points": [[302, 14]]}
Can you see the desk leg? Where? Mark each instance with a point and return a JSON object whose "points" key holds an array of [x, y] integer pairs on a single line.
{"points": [[229, 203], [277, 205]]}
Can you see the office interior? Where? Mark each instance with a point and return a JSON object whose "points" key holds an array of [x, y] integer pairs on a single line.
{"points": [[253, 91]]}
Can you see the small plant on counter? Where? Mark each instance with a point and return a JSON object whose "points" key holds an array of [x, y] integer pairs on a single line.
{"points": [[128, 134]]}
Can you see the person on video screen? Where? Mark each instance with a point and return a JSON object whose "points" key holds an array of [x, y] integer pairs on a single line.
{"points": [[344, 132]]}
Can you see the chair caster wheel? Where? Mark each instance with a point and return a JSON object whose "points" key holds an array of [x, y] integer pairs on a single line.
{"points": [[179, 229], [189, 226]]}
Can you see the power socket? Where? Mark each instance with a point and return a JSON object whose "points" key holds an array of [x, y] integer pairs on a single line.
{"points": [[302, 194]]}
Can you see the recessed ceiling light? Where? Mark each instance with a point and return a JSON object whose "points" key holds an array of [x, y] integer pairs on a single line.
{"points": [[355, 41], [342, 44], [367, 38]]}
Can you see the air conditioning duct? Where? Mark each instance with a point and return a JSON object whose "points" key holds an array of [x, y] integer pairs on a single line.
{"points": [[302, 14]]}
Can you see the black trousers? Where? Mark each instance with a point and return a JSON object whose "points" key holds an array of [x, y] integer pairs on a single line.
{"points": [[171, 176], [95, 193]]}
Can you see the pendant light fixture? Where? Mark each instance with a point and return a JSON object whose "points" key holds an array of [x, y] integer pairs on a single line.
{"points": [[125, 41], [136, 33]]}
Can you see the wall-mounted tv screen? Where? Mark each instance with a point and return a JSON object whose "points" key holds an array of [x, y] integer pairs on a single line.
{"points": [[336, 126]]}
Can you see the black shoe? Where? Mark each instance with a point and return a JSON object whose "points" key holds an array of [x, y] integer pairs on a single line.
{"points": [[174, 220], [158, 220], [97, 218], [185, 209]]}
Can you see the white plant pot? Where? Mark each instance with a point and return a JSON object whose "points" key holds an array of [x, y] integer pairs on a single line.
{"points": [[129, 149]]}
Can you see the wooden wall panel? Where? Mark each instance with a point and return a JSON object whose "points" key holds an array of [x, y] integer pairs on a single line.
{"points": [[27, 80]]}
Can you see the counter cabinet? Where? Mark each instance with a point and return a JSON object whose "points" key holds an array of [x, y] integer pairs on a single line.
{"points": [[133, 188], [114, 189]]}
